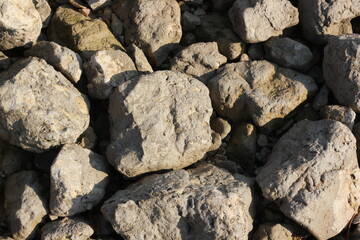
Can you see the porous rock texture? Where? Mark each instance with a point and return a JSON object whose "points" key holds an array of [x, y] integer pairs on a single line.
{"points": [[202, 203], [258, 20], [78, 180], [165, 127], [152, 25], [313, 168], [39, 107], [20, 23]]}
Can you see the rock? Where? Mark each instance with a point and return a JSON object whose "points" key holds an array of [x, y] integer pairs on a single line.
{"points": [[88, 139], [67, 228], [4, 61], [165, 127], [288, 53], [222, 5], [139, 58], [25, 204], [220, 126], [194, 2], [61, 58], [313, 171], [256, 51], [356, 132], [78, 180], [44, 10], [342, 114], [270, 231], [200, 12], [321, 99], [198, 60], [267, 91], [189, 21], [341, 71], [152, 25], [217, 28], [98, 4], [322, 18], [117, 26], [40, 108], [258, 20], [262, 140], [355, 235], [202, 203], [12, 159], [80, 33], [216, 141], [20, 23], [106, 70]]}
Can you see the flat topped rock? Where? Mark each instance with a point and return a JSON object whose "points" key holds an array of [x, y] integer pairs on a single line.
{"points": [[159, 121]]}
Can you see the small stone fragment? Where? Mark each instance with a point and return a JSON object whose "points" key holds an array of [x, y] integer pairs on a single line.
{"points": [[98, 4], [44, 9], [271, 231], [342, 114], [321, 99], [87, 139], [139, 58], [189, 21], [220, 126], [78, 180], [117, 26]]}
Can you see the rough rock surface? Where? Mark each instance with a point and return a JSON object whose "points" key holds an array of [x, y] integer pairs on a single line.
{"points": [[39, 107], [67, 228], [25, 204], [288, 53], [20, 23], [258, 20], [61, 58], [198, 60], [78, 180], [266, 90], [106, 70], [12, 159], [322, 18], [342, 114], [44, 10], [165, 127], [313, 168], [72, 29], [139, 58], [98, 4], [202, 203], [270, 231], [341, 66], [220, 126], [143, 20], [4, 61]]}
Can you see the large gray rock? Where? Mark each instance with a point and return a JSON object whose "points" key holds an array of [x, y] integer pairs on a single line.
{"points": [[198, 60], [106, 70], [78, 179], [259, 89], [202, 203], [20, 23], [313, 175], [159, 121], [323, 18], [44, 10], [152, 25], [40, 108], [258, 20], [61, 58], [25, 204], [341, 66]]}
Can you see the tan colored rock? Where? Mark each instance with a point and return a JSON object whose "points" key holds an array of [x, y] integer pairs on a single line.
{"points": [[271, 231], [220, 126], [44, 10], [139, 59], [342, 114]]}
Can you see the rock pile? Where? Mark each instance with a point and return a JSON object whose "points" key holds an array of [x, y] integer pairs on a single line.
{"points": [[179, 119]]}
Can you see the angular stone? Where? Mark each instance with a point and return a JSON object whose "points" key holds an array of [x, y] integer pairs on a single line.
{"points": [[288, 53], [20, 23], [117, 26], [271, 231], [61, 58], [139, 58], [198, 60], [106, 70], [44, 9], [341, 66], [313, 171], [159, 121], [40, 108], [321, 99], [189, 21], [202, 203], [258, 20], [25, 204], [78, 179], [152, 25], [323, 18], [342, 114], [98, 4]]}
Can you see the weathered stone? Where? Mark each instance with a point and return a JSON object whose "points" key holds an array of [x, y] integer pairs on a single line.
{"points": [[288, 53], [12, 159], [341, 66], [220, 126], [78, 180], [165, 127], [25, 204], [355, 235], [106, 70], [61, 58], [139, 58], [117, 26], [258, 20], [20, 23], [202, 203], [189, 21], [342, 114], [40, 108], [323, 18], [67, 228], [152, 25], [87, 139], [4, 61], [321, 99], [80, 33], [44, 10], [256, 51], [271, 231], [198, 60], [313, 171], [98, 4]]}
